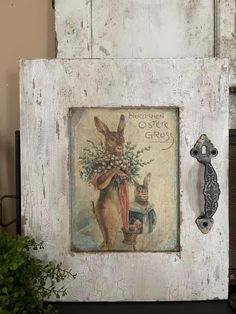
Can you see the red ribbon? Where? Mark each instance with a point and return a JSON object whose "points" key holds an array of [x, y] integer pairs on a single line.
{"points": [[124, 202]]}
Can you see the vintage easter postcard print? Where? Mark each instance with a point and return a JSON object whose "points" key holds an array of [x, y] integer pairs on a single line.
{"points": [[124, 187]]}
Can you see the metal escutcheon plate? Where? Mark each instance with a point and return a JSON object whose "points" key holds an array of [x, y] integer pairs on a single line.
{"points": [[204, 224]]}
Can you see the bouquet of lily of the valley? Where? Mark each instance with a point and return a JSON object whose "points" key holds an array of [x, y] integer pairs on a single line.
{"points": [[95, 159]]}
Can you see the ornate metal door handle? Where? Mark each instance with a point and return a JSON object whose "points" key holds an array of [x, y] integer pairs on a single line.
{"points": [[203, 151]]}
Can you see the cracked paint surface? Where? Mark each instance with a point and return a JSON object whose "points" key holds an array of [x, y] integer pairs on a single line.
{"points": [[200, 270]]}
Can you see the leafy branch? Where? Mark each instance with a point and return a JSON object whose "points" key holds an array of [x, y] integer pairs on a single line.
{"points": [[96, 159], [26, 281]]}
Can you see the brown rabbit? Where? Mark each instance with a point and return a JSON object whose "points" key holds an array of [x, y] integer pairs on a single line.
{"points": [[108, 208], [141, 211]]}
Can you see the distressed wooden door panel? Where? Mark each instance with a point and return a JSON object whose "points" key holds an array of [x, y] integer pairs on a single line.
{"points": [[135, 28], [226, 47], [199, 89], [73, 28], [147, 28], [152, 29]]}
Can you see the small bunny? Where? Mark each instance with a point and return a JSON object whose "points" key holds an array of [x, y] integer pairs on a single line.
{"points": [[141, 210], [111, 210]]}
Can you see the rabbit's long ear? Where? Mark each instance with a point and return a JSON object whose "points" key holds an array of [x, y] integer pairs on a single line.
{"points": [[101, 126], [121, 125], [147, 180]]}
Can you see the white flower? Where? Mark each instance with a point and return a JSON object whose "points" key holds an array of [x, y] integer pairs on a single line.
{"points": [[108, 167]]}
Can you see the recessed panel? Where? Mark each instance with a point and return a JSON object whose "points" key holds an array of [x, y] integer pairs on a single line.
{"points": [[152, 28], [124, 179]]}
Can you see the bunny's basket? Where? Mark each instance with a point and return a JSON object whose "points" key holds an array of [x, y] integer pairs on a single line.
{"points": [[130, 237]]}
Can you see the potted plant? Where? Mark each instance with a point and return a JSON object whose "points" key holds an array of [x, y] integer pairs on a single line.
{"points": [[26, 281]]}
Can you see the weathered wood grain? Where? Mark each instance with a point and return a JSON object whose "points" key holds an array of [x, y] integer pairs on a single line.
{"points": [[73, 28], [226, 34], [200, 89], [135, 28], [153, 29], [147, 29]]}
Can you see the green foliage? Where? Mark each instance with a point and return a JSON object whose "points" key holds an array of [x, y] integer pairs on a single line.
{"points": [[95, 159], [26, 281]]}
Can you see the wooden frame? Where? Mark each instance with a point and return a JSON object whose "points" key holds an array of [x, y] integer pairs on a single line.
{"points": [[199, 88], [76, 27], [83, 32], [82, 26]]}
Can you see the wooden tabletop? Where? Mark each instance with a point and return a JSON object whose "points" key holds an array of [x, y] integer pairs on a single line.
{"points": [[204, 307]]}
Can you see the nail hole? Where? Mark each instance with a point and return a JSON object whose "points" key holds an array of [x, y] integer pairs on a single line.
{"points": [[205, 224], [213, 152], [195, 152]]}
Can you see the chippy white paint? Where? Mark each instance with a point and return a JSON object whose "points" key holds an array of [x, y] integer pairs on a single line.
{"points": [[200, 89], [226, 34], [147, 29], [152, 28], [135, 28], [73, 28]]}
